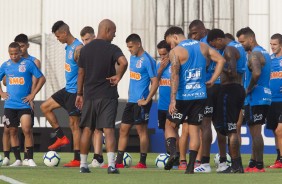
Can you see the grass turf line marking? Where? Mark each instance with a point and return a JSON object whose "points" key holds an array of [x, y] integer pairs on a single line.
{"points": [[9, 180]]}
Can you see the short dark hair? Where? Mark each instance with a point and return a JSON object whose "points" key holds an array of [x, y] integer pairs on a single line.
{"points": [[230, 36], [85, 30], [245, 31], [196, 23], [58, 25], [14, 45], [214, 34], [173, 30], [163, 45], [133, 38], [22, 38], [278, 37]]}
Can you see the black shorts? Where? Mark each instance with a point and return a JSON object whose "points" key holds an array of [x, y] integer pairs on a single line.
{"points": [[229, 104], [162, 115], [67, 101], [135, 114], [192, 111], [274, 115], [99, 113], [211, 101], [12, 117], [256, 114]]}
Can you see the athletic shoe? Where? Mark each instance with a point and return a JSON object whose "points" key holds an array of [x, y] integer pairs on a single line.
{"points": [[6, 161], [95, 163], [140, 166], [25, 162], [255, 169], [84, 170], [59, 143], [227, 169], [17, 163], [72, 163], [276, 165], [31, 163], [119, 166], [222, 167], [248, 169], [189, 169], [203, 168], [197, 163], [170, 162], [182, 165], [112, 170]]}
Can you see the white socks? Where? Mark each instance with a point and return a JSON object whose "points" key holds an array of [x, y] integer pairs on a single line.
{"points": [[111, 159], [83, 161]]}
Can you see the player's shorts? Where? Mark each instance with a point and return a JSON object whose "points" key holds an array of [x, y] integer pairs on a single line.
{"points": [[256, 114], [211, 101], [135, 114], [162, 115], [67, 101], [99, 113], [274, 115], [190, 111], [12, 117], [229, 103]]}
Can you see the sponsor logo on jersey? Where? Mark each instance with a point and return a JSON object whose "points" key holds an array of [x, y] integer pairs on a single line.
{"points": [[276, 75], [139, 62], [189, 43], [70, 54], [267, 91], [135, 75], [22, 68], [195, 85], [164, 82], [16, 81], [67, 67], [193, 74]]}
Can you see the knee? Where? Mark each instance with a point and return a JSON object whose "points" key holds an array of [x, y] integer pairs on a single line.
{"points": [[278, 132], [123, 131], [26, 131], [44, 107], [13, 131]]}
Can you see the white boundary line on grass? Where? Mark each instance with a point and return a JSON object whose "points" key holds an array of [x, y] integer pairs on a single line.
{"points": [[9, 180]]}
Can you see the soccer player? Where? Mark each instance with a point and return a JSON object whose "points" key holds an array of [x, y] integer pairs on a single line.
{"points": [[258, 94], [231, 96], [18, 99], [142, 73], [87, 34], [66, 97], [188, 91], [274, 117], [97, 94], [198, 31], [22, 40]]}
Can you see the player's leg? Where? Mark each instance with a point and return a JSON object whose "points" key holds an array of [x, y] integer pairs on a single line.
{"points": [[142, 130], [6, 146], [239, 125], [200, 152], [183, 140], [97, 138], [278, 132]]}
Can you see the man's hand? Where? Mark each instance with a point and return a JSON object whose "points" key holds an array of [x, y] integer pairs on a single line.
{"points": [[114, 80], [79, 102], [209, 83], [4, 95], [29, 98], [142, 102], [172, 108]]}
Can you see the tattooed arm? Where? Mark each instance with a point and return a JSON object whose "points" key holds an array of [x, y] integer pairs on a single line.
{"points": [[174, 80], [230, 66]]}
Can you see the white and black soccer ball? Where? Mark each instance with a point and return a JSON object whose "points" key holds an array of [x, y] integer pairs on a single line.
{"points": [[217, 157], [51, 159], [1, 160], [127, 159], [161, 160]]}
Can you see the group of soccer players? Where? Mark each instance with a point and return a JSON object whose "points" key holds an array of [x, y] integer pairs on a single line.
{"points": [[207, 78]]}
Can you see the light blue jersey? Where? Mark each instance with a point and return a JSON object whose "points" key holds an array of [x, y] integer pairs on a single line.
{"points": [[19, 81], [241, 62], [192, 74], [31, 58], [164, 88], [276, 78], [142, 69], [71, 67], [261, 94]]}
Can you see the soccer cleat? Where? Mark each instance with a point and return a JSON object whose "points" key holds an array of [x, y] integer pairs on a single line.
{"points": [[140, 166], [112, 170], [182, 166], [171, 160], [72, 163], [31, 163], [197, 163], [222, 167], [189, 169], [255, 169], [17, 163], [59, 143], [248, 169], [84, 170], [6, 161], [227, 169], [95, 163], [203, 168], [276, 165], [119, 166], [25, 162]]}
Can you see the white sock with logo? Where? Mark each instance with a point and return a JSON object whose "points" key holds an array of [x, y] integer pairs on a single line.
{"points": [[111, 159], [83, 160]]}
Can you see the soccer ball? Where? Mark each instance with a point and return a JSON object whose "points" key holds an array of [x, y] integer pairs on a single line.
{"points": [[51, 159], [161, 160], [216, 159], [127, 159], [1, 160]]}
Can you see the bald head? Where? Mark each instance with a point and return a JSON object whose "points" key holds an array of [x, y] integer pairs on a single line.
{"points": [[106, 30]]}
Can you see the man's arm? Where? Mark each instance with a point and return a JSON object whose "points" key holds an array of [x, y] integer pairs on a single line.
{"points": [[80, 83], [121, 69], [41, 81], [174, 80], [153, 89], [163, 64], [77, 52], [254, 65]]}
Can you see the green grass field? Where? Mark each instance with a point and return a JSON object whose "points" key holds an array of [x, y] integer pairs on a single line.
{"points": [[43, 174]]}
